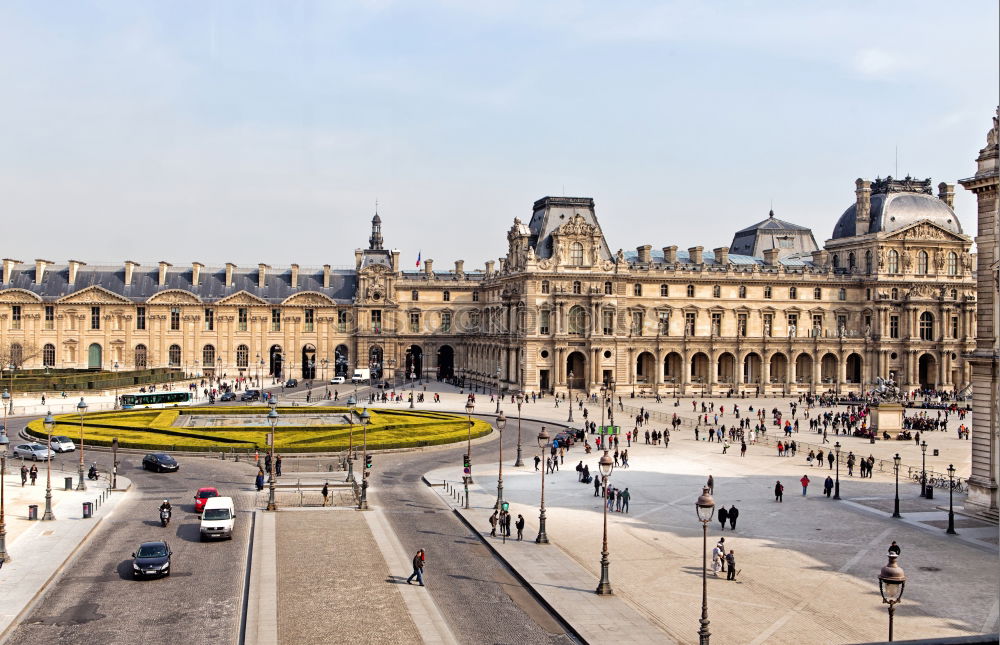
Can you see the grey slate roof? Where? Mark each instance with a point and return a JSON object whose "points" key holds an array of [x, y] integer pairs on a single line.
{"points": [[893, 211], [549, 213], [764, 235]]}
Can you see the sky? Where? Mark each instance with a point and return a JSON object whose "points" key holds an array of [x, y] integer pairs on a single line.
{"points": [[250, 131]]}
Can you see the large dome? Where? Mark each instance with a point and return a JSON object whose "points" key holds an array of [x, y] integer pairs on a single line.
{"points": [[893, 209]]}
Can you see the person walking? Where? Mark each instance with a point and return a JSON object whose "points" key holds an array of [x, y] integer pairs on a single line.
{"points": [[519, 525], [718, 560], [733, 514], [895, 548], [828, 486], [24, 474], [723, 516], [277, 466], [325, 492], [779, 490], [597, 486], [711, 485], [625, 496], [493, 524], [721, 546], [731, 565], [537, 461], [418, 568], [259, 480], [805, 484], [743, 448], [506, 524], [830, 458], [33, 473]]}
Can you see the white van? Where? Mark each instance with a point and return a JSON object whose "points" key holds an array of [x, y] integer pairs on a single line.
{"points": [[218, 518]]}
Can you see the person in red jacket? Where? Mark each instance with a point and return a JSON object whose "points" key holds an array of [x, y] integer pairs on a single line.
{"points": [[805, 484]]}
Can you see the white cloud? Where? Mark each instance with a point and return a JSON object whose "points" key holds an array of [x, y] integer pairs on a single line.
{"points": [[878, 63]]}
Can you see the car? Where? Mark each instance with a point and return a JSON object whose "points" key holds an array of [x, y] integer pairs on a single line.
{"points": [[228, 396], [218, 518], [565, 438], [337, 380], [35, 451], [151, 559], [250, 395], [202, 496], [292, 382], [159, 462], [62, 444]]}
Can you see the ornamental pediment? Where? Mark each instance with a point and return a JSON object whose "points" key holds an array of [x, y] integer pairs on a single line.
{"points": [[309, 298], [577, 225], [16, 296], [242, 298], [925, 230], [174, 297], [94, 296]]}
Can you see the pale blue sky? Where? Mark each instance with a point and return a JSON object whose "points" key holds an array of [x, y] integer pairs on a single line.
{"points": [[265, 131]]}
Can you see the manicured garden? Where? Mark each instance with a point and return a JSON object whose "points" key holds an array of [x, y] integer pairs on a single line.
{"points": [[167, 430]]}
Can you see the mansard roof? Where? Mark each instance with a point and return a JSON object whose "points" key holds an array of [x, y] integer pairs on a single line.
{"points": [[771, 233], [549, 213]]}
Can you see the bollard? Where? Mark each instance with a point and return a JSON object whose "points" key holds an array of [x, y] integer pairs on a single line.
{"points": [[68, 481]]}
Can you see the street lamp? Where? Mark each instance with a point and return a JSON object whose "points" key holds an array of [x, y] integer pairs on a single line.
{"points": [[81, 409], [519, 399], [606, 464], [5, 401], [115, 368], [895, 466], [363, 500], [891, 581], [272, 418], [50, 425], [469, 407], [4, 442], [351, 402], [951, 508], [836, 485], [543, 443], [501, 423], [604, 403], [705, 507], [498, 389], [923, 469], [569, 386]]}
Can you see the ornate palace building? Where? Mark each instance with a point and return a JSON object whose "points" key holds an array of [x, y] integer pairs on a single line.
{"points": [[891, 295]]}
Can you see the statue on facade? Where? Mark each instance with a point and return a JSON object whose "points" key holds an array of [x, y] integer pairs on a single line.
{"points": [[907, 260]]}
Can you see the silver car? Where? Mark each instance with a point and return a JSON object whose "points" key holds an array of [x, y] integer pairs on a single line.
{"points": [[35, 451], [62, 444]]}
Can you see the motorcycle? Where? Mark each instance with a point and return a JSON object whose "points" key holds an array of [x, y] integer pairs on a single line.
{"points": [[164, 516], [93, 475]]}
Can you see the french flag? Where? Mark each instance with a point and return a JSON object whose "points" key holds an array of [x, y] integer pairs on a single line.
{"points": [[418, 259]]}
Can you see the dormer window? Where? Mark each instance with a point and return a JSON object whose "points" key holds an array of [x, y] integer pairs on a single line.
{"points": [[576, 254]]}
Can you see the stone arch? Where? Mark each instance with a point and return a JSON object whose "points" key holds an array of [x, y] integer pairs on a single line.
{"points": [[727, 368], [576, 364], [699, 367], [341, 364], [445, 362], [276, 361], [645, 370], [673, 367], [854, 367], [828, 368], [927, 371], [308, 362], [95, 356], [414, 363], [804, 368], [751, 368], [779, 368]]}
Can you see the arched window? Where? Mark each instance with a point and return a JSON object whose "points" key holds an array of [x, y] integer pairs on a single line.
{"points": [[851, 262], [690, 291], [577, 287], [577, 320], [140, 356], [16, 354], [208, 356], [894, 261], [926, 326], [664, 291], [446, 296], [767, 292], [637, 290], [817, 293], [576, 254], [793, 293], [922, 263], [836, 261], [174, 356], [242, 356], [952, 263], [743, 291], [607, 288], [868, 262], [545, 286], [49, 355], [716, 291], [894, 293]]}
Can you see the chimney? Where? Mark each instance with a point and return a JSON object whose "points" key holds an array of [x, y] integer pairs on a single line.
{"points": [[670, 254], [229, 274], [196, 268], [643, 253], [459, 267], [771, 257], [8, 268], [429, 268], [946, 193], [326, 276], [40, 270], [262, 275], [74, 268], [395, 260], [721, 255], [357, 259], [863, 206], [295, 276], [694, 254], [820, 258], [489, 266], [163, 273], [130, 267]]}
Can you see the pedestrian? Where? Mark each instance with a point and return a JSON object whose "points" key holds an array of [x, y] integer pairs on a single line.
{"points": [[718, 560], [723, 516], [259, 480], [743, 448], [33, 473], [625, 496], [895, 548], [519, 525], [828, 485], [779, 490], [805, 484], [830, 458], [597, 486], [731, 565], [493, 524], [24, 474], [277, 466], [721, 546], [538, 460], [579, 471], [711, 484], [418, 568], [733, 514], [325, 492]]}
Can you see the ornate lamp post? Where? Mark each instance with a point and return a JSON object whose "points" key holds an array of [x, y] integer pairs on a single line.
{"points": [[4, 442], [351, 402], [363, 500], [498, 389], [923, 469], [543, 443], [519, 399], [705, 507], [606, 464], [951, 508], [895, 467], [272, 418], [469, 407], [81, 409], [569, 386], [115, 368], [891, 581], [604, 402], [501, 423], [836, 485], [413, 374], [50, 425], [5, 402]]}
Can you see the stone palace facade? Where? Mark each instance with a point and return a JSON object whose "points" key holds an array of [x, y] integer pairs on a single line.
{"points": [[891, 295]]}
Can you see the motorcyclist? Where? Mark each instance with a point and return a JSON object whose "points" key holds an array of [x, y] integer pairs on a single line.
{"points": [[165, 506], [92, 474]]}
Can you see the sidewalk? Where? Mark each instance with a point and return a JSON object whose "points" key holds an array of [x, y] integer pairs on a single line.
{"points": [[40, 549]]}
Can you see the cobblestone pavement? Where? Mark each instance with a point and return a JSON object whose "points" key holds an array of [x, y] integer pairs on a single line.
{"points": [[332, 582]]}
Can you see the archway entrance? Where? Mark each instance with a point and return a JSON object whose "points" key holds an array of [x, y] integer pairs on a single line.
{"points": [[927, 372], [727, 368], [828, 369], [672, 363], [699, 368], [751, 368], [575, 366], [644, 368], [779, 368], [445, 362], [340, 363], [375, 362], [308, 362], [414, 362], [804, 368], [275, 361], [854, 364], [94, 357]]}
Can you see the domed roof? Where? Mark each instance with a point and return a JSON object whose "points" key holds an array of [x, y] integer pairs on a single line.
{"points": [[897, 204]]}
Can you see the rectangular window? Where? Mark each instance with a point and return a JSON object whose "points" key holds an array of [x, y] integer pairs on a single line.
{"points": [[414, 295], [342, 321], [275, 320], [95, 317], [741, 325], [414, 323], [209, 319], [893, 326], [716, 324], [868, 323], [446, 321], [954, 326], [310, 320], [15, 316], [637, 323], [50, 317], [841, 325], [664, 323], [175, 319], [817, 324], [475, 296], [608, 322], [768, 324], [140, 318], [543, 323], [241, 319], [689, 321], [793, 324], [376, 318]]}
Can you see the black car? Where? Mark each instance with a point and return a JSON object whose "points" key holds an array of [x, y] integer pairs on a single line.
{"points": [[152, 559], [250, 395], [292, 382], [228, 396], [159, 462]]}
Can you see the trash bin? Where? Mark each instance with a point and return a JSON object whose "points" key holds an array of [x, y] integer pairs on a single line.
{"points": [[32, 511], [69, 483], [88, 509], [929, 491], [937, 453]]}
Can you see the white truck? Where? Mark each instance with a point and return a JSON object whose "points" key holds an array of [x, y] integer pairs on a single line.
{"points": [[361, 375]]}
